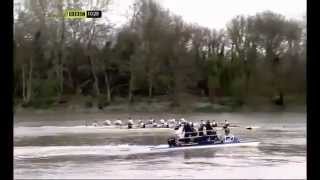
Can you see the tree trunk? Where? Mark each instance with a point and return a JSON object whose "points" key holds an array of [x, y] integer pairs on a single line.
{"points": [[60, 55], [212, 95], [130, 95], [281, 98], [247, 86], [175, 97], [177, 85], [106, 79], [150, 87], [23, 85], [61, 80], [29, 86], [79, 88], [96, 82], [70, 80], [247, 80]]}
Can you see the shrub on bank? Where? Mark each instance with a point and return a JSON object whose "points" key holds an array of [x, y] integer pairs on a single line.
{"points": [[103, 102], [39, 103]]}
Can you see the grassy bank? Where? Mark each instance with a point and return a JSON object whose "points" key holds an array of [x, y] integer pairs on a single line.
{"points": [[160, 104]]}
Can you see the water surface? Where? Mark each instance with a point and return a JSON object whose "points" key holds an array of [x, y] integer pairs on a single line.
{"points": [[62, 147]]}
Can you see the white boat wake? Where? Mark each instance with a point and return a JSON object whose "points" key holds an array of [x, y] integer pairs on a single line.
{"points": [[54, 151], [106, 150]]}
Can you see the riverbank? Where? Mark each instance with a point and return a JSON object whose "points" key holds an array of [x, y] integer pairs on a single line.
{"points": [[157, 108], [163, 106]]}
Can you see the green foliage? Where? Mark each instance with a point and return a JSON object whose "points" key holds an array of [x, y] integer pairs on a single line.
{"points": [[214, 73], [155, 53], [103, 102], [238, 87], [88, 104], [40, 103], [45, 88], [214, 108]]}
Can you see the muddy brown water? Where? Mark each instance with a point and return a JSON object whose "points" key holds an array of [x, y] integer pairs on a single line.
{"points": [[60, 146]]}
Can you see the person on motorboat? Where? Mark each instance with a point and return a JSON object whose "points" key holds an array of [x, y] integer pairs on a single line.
{"points": [[211, 132], [194, 131], [187, 129], [227, 131], [209, 129], [191, 124], [201, 128]]}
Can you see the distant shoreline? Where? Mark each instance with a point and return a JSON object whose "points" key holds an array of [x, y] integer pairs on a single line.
{"points": [[125, 109]]}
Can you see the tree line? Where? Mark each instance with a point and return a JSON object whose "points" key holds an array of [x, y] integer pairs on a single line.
{"points": [[155, 53]]}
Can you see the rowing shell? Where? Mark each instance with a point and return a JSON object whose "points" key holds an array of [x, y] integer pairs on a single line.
{"points": [[167, 148]]}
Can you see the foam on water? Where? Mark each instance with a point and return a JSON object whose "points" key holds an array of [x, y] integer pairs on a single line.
{"points": [[57, 130], [104, 150]]}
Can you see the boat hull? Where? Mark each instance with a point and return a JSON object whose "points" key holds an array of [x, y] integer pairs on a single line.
{"points": [[167, 148]]}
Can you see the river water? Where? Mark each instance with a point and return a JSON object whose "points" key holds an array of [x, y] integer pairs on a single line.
{"points": [[61, 147]]}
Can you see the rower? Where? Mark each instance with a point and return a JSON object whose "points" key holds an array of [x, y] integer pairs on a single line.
{"points": [[172, 121], [214, 123], [226, 124], [166, 124], [177, 125], [182, 120], [162, 123], [130, 123], [95, 124], [154, 124], [107, 123], [141, 124], [150, 121], [118, 122], [181, 123]]}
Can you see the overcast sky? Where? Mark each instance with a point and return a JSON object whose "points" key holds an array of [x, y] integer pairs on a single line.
{"points": [[216, 13]]}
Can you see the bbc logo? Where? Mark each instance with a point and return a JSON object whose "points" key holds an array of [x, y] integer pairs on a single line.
{"points": [[80, 14], [94, 14]]}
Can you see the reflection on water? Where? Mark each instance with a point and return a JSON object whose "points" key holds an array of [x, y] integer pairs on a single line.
{"points": [[199, 153], [79, 152]]}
